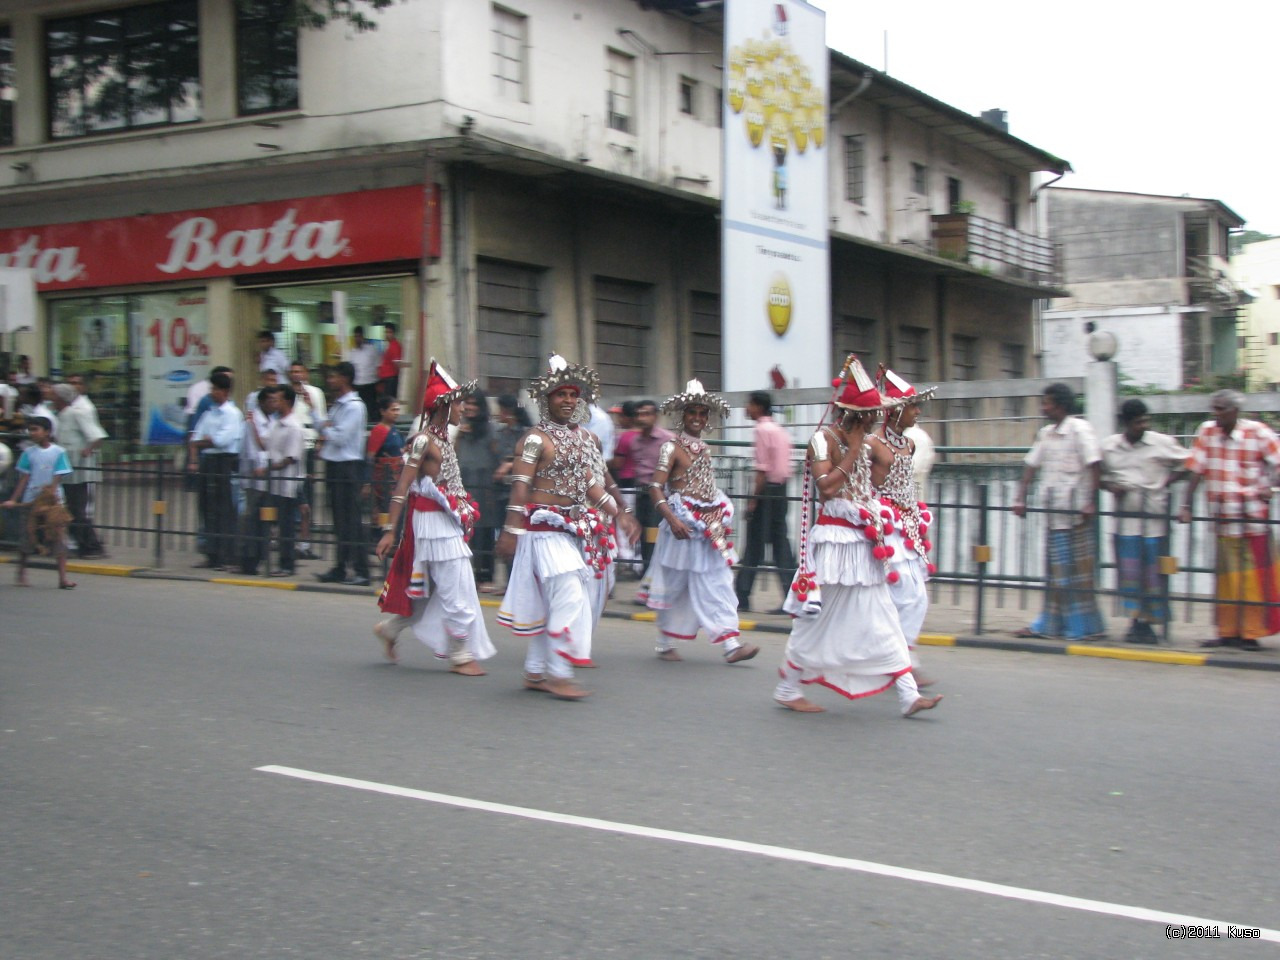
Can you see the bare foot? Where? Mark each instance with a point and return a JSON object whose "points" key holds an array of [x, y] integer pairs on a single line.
{"points": [[670, 656], [922, 703], [67, 585], [744, 652], [922, 679], [536, 682], [563, 689], [388, 643], [801, 705], [468, 669]]}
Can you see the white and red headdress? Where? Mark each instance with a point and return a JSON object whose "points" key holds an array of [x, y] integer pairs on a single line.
{"points": [[894, 388], [856, 390], [561, 373], [442, 389]]}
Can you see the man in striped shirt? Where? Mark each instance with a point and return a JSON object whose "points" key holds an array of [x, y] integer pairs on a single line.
{"points": [[1237, 459]]}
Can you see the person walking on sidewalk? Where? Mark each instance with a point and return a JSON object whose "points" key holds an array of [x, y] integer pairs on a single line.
{"points": [[343, 451], [1069, 463], [1237, 459], [767, 508], [893, 478], [692, 583], [81, 436], [1137, 467], [431, 587], [635, 458], [846, 635], [556, 530]]}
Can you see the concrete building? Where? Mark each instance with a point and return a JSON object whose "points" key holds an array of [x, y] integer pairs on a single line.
{"points": [[501, 180], [1153, 270], [1256, 271]]}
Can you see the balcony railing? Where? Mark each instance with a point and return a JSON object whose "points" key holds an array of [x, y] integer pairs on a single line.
{"points": [[997, 249]]}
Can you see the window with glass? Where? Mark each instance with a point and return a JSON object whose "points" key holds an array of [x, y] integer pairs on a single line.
{"points": [[620, 95], [920, 179], [508, 325], [123, 69], [704, 325], [92, 337], [624, 333], [510, 48], [1013, 366], [266, 55], [855, 169], [689, 96], [8, 91]]}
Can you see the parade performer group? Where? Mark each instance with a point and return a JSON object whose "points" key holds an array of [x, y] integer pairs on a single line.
{"points": [[847, 634]]}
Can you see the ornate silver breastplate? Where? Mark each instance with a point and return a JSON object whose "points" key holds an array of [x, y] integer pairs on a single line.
{"points": [[900, 482], [450, 478], [569, 472], [858, 487], [700, 478]]}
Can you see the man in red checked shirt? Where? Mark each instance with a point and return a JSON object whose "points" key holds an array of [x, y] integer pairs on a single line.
{"points": [[1237, 460], [390, 364]]}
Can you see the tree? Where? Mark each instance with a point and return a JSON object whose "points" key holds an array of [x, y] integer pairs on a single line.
{"points": [[314, 14], [1238, 240]]}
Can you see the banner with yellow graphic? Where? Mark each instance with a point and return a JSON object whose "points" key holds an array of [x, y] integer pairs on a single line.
{"points": [[775, 273]]}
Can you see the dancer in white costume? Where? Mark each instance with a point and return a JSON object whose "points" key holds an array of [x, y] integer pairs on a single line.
{"points": [[846, 635], [431, 587], [691, 583], [557, 531], [893, 477]]}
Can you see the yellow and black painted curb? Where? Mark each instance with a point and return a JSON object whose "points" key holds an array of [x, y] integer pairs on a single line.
{"points": [[783, 626]]}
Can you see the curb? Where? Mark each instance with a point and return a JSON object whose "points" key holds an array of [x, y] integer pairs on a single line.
{"points": [[1172, 657]]}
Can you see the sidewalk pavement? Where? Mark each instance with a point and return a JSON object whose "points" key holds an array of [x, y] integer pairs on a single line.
{"points": [[950, 622]]}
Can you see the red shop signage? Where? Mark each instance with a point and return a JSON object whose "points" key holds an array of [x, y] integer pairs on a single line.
{"points": [[371, 226]]}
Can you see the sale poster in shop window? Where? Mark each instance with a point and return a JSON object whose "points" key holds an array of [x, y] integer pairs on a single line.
{"points": [[172, 333]]}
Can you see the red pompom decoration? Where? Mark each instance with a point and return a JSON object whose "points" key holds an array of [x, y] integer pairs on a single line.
{"points": [[803, 597], [835, 382], [795, 587], [932, 568], [870, 532], [880, 552], [865, 514], [888, 528], [888, 552], [928, 546], [599, 575], [921, 504], [892, 576], [909, 544]]}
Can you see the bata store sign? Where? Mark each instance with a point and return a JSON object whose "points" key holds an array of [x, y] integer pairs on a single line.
{"points": [[372, 226]]}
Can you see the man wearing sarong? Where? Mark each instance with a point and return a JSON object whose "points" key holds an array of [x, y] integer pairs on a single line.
{"points": [[1069, 463], [1237, 460], [894, 482], [846, 635], [1137, 467], [691, 583], [430, 586], [557, 531]]}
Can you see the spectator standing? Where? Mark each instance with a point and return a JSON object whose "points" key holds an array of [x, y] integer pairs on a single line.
{"points": [[212, 451], [513, 423], [343, 451], [286, 467], [82, 435], [41, 468], [1236, 459], [8, 395], [267, 380], [25, 376], [258, 424], [364, 357], [384, 448], [1069, 463], [636, 457], [479, 459], [310, 409], [1138, 465], [270, 357], [32, 405], [767, 508], [390, 364]]}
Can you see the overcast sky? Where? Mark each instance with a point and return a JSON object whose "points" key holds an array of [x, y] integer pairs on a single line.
{"points": [[1144, 97]]}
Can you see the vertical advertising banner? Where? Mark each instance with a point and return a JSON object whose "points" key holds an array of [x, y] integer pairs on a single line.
{"points": [[172, 333], [774, 243]]}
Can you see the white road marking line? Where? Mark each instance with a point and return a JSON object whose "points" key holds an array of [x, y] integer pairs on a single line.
{"points": [[776, 853]]}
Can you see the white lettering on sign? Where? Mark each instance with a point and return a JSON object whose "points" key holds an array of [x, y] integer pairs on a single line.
{"points": [[56, 264], [197, 245]]}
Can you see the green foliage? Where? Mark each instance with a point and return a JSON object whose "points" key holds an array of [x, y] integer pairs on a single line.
{"points": [[1238, 240], [315, 14]]}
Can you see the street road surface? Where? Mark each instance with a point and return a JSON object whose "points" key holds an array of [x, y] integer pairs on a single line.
{"points": [[196, 771]]}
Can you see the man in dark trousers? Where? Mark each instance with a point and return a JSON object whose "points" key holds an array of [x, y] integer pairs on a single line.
{"points": [[767, 508], [343, 452]]}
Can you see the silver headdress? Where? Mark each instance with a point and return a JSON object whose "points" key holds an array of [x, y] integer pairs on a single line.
{"points": [[562, 373], [695, 395]]}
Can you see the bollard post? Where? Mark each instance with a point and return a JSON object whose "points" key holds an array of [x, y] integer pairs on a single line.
{"points": [[982, 554], [158, 507]]}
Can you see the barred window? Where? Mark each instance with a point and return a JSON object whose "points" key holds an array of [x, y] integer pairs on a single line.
{"points": [[8, 92], [920, 179], [620, 96], [855, 170], [1013, 366], [508, 325], [689, 96], [510, 49], [910, 354], [123, 69], [964, 366], [851, 334], [266, 56], [624, 334], [708, 359]]}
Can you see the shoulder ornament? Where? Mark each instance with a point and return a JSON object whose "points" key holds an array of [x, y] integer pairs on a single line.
{"points": [[417, 449], [531, 447], [666, 453]]}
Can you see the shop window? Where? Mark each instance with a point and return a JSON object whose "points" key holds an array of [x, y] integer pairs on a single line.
{"points": [[624, 333], [620, 96], [8, 92], [510, 48], [855, 168], [123, 69], [508, 325], [708, 359], [266, 55]]}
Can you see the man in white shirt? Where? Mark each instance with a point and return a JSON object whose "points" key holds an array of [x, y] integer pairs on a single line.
{"points": [[258, 424], [213, 450], [365, 357], [344, 455], [271, 357], [286, 468], [310, 410], [81, 435]]}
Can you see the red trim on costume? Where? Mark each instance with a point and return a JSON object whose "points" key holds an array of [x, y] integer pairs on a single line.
{"points": [[425, 505], [827, 521], [727, 636], [547, 528], [823, 681], [678, 636], [577, 662]]}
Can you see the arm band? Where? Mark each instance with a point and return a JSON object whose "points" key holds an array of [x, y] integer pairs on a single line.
{"points": [[519, 479], [515, 509], [514, 531]]}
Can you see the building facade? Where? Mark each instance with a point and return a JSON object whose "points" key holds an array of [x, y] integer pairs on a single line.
{"points": [[1256, 271], [500, 180], [1153, 270]]}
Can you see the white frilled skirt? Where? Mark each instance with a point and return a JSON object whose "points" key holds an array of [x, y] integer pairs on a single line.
{"points": [[446, 607], [910, 593], [691, 586], [547, 596], [855, 644]]}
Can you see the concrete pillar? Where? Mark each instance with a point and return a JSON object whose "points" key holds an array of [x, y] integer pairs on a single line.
{"points": [[1101, 395]]}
